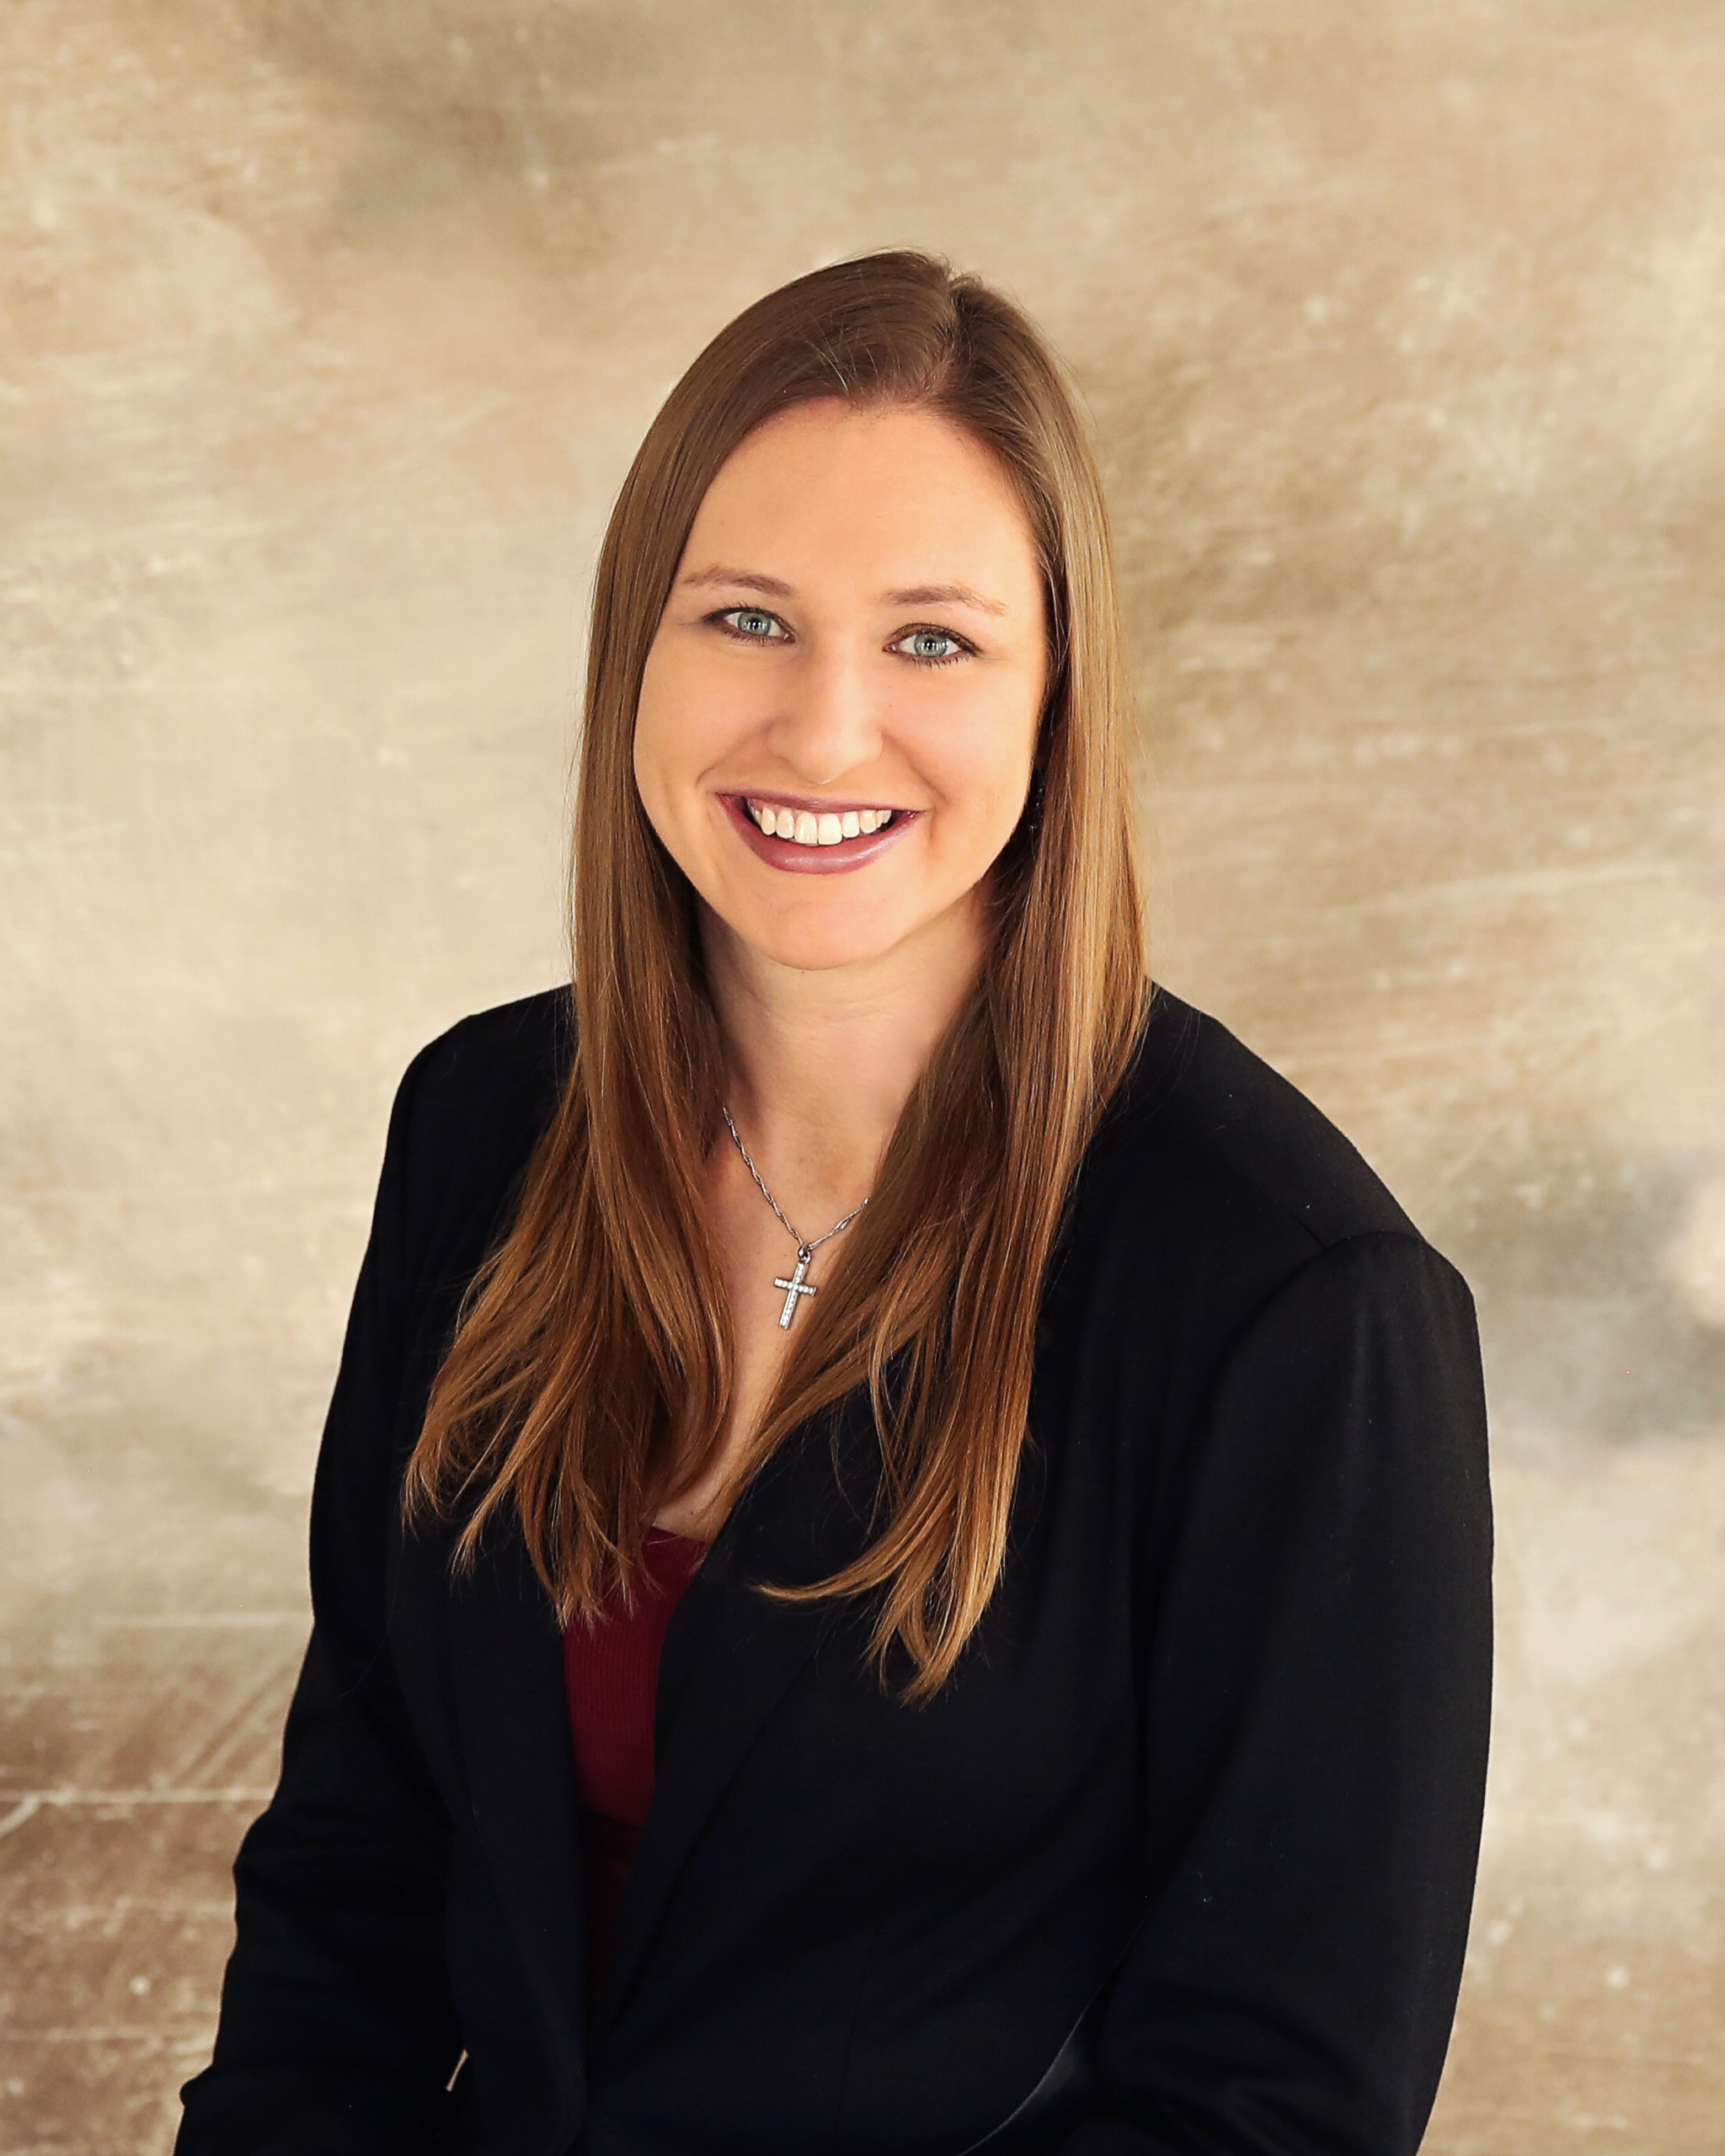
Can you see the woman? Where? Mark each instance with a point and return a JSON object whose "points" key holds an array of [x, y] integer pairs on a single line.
{"points": [[953, 1430]]}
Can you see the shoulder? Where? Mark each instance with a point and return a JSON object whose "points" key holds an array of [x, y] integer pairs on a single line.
{"points": [[1196, 1104], [507, 1062], [469, 1111], [1212, 1182]]}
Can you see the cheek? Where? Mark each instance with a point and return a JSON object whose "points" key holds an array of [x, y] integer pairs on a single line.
{"points": [[980, 759], [685, 719], [664, 750], [655, 714]]}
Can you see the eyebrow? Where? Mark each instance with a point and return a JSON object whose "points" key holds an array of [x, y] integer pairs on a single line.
{"points": [[916, 595], [748, 578], [943, 595]]}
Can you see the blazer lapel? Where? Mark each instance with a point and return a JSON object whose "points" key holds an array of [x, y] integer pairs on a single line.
{"points": [[506, 1662], [730, 1655]]}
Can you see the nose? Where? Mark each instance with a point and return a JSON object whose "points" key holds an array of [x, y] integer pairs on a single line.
{"points": [[828, 720]]}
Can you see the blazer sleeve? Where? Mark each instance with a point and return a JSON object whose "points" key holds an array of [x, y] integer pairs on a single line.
{"points": [[1319, 1675], [336, 2030]]}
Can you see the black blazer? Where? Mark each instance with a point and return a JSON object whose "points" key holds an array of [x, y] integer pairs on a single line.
{"points": [[1180, 1861]]}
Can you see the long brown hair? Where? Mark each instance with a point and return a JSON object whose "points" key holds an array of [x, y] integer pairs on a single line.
{"points": [[590, 1377]]}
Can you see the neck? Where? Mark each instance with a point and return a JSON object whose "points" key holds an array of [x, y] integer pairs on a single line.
{"points": [[820, 1063]]}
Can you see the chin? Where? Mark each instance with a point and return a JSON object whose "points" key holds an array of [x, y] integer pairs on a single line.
{"points": [[813, 948], [829, 926]]}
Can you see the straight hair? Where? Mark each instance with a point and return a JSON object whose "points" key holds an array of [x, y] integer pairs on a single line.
{"points": [[590, 1375]]}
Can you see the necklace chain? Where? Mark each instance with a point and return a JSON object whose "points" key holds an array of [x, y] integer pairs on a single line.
{"points": [[804, 1250]]}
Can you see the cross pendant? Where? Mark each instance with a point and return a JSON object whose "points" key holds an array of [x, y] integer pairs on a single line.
{"points": [[793, 1287]]}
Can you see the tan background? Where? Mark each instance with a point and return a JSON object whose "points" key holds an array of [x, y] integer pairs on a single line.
{"points": [[329, 328]]}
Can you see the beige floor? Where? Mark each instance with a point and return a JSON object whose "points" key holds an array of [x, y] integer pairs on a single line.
{"points": [[328, 327]]}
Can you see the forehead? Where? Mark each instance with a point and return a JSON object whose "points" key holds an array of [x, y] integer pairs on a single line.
{"points": [[894, 496]]}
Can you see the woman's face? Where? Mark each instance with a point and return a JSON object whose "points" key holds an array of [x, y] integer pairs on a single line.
{"points": [[839, 713]]}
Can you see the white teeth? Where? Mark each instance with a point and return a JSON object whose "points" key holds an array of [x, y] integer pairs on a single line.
{"points": [[804, 828]]}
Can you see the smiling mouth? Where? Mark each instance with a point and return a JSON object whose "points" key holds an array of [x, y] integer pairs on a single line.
{"points": [[803, 825]]}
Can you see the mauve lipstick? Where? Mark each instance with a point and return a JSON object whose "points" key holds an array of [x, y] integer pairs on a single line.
{"points": [[814, 860]]}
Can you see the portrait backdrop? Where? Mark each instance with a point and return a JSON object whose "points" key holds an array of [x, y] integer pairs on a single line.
{"points": [[328, 328]]}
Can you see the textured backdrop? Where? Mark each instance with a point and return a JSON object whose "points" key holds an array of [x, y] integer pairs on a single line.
{"points": [[329, 327]]}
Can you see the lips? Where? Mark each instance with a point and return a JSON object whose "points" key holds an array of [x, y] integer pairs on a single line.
{"points": [[832, 859]]}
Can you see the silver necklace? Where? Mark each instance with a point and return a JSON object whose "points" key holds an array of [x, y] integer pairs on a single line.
{"points": [[798, 1284]]}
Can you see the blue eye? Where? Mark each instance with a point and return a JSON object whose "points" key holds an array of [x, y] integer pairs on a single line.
{"points": [[752, 621], [932, 646]]}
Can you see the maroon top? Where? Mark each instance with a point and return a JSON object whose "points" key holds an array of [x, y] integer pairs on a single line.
{"points": [[612, 1674]]}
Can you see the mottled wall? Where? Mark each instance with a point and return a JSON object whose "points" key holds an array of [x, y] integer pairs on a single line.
{"points": [[328, 328]]}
